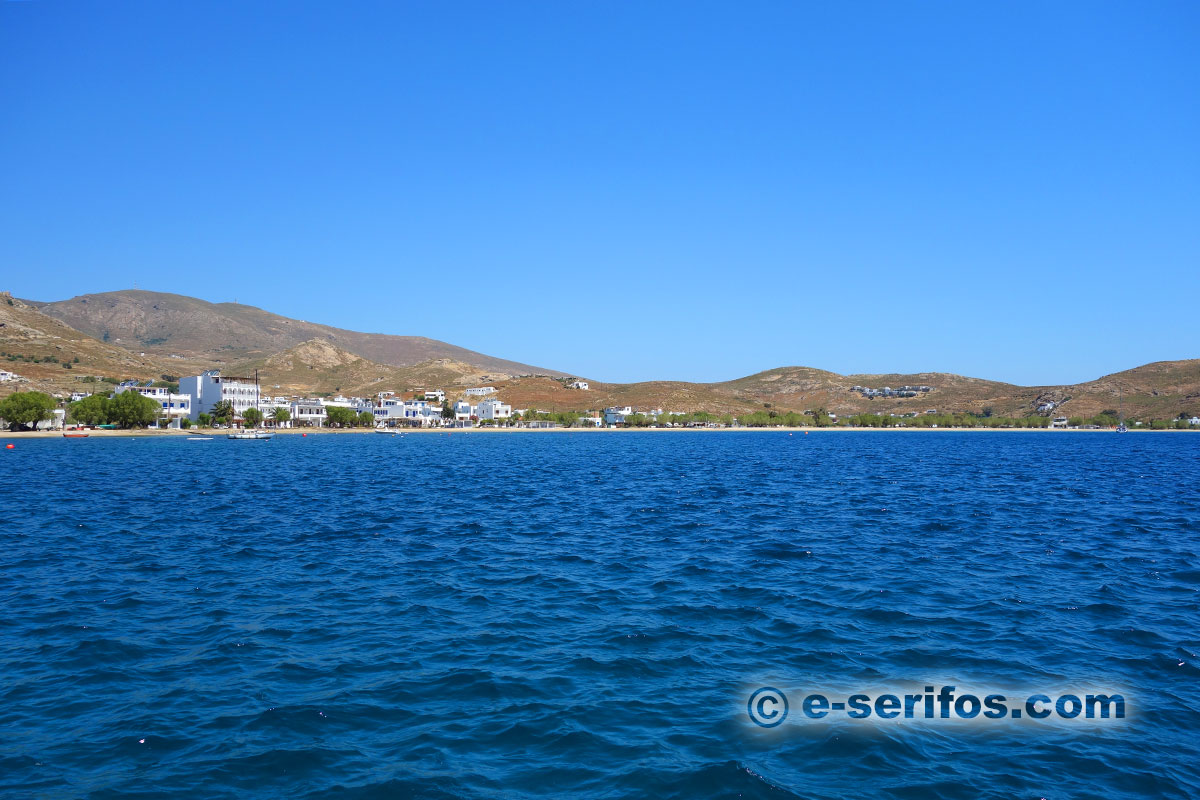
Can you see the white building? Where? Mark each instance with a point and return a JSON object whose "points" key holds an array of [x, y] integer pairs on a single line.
{"points": [[463, 410], [1194, 421], [210, 388], [173, 407], [435, 395], [308, 413], [5, 375], [356, 404], [480, 391], [77, 396], [493, 409], [580, 385], [616, 415]]}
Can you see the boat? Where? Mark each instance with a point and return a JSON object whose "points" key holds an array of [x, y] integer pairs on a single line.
{"points": [[200, 438], [1121, 419], [74, 435]]}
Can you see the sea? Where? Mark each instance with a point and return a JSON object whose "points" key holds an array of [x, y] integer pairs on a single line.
{"points": [[591, 614]]}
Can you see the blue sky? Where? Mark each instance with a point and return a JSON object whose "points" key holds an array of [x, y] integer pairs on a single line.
{"points": [[629, 191]]}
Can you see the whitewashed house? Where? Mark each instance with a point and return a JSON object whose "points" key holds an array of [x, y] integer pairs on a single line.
{"points": [[615, 415], [580, 385], [463, 410], [5, 376], [308, 413], [480, 391], [493, 409]]}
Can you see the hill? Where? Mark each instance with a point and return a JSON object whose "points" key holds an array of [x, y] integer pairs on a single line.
{"points": [[318, 367], [55, 357], [148, 335], [166, 324]]}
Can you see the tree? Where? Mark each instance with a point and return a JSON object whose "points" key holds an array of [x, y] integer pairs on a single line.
{"points": [[366, 419], [132, 410], [447, 410], [280, 415], [91, 410], [340, 416], [203, 420], [252, 416], [223, 411], [22, 409]]}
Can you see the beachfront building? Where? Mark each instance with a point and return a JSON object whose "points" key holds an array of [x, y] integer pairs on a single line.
{"points": [[1059, 422], [307, 413], [493, 409], [211, 387], [615, 415], [172, 407], [1194, 421], [480, 391], [463, 410]]}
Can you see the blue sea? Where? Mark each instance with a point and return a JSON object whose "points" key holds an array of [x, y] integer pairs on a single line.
{"points": [[583, 615]]}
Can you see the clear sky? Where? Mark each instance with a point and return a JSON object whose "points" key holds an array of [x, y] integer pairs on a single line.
{"points": [[628, 190]]}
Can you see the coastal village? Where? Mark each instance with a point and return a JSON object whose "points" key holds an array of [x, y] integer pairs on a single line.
{"points": [[213, 399], [198, 398]]}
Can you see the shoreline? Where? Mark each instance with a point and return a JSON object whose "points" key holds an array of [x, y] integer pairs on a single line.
{"points": [[99, 434]]}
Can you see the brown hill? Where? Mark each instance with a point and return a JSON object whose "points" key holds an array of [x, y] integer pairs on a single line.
{"points": [[1154, 391], [182, 336], [56, 358], [318, 367], [165, 324]]}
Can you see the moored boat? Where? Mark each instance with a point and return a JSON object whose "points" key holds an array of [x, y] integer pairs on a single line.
{"points": [[74, 435]]}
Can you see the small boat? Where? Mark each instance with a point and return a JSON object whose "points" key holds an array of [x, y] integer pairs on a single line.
{"points": [[74, 435], [252, 435], [200, 438]]}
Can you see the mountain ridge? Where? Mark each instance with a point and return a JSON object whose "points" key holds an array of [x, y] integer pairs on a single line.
{"points": [[38, 343], [163, 323]]}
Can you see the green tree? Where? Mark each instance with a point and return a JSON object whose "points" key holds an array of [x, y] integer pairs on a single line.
{"points": [[223, 411], [366, 419], [252, 416], [203, 420], [26, 409], [280, 415], [447, 410], [132, 410], [339, 416], [91, 410], [185, 423]]}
